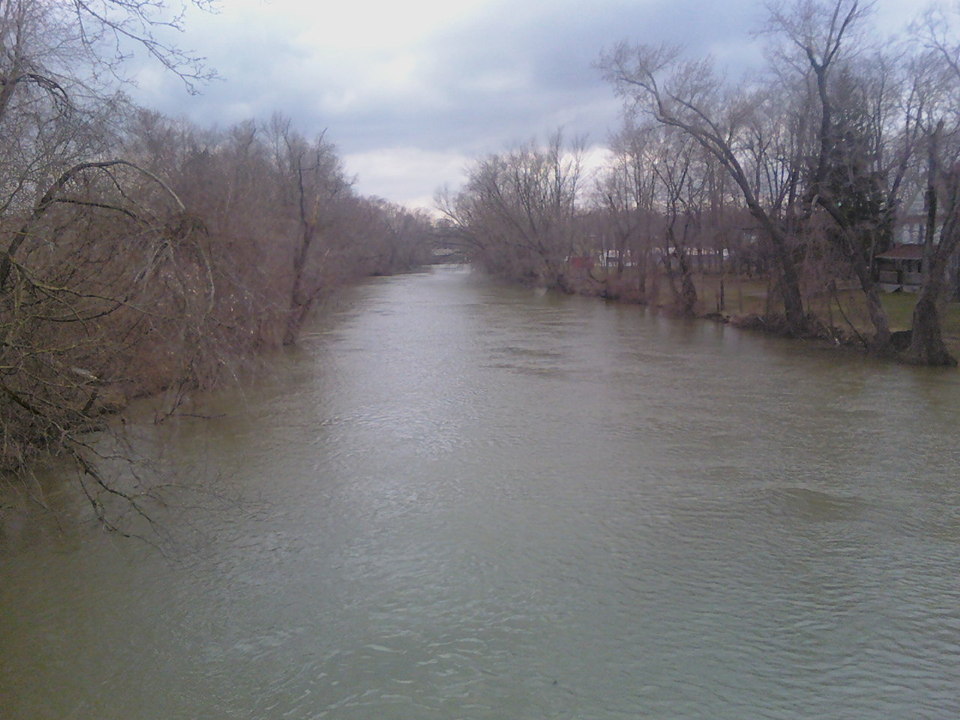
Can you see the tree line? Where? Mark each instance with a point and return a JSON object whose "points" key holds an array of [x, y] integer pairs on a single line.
{"points": [[803, 172], [141, 254]]}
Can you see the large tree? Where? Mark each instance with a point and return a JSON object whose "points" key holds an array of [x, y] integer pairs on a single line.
{"points": [[839, 181], [625, 196], [687, 96], [518, 211], [936, 70]]}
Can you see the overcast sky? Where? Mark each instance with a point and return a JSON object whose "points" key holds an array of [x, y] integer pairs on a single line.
{"points": [[411, 91]]}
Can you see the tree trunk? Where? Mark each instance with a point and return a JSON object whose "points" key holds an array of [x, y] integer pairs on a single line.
{"points": [[878, 315], [641, 269], [299, 305], [792, 300], [688, 291], [789, 277], [926, 340]]}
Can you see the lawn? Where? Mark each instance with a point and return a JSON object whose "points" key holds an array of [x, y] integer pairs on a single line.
{"points": [[746, 296]]}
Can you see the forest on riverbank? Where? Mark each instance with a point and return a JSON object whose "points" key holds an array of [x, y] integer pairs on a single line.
{"points": [[144, 255], [808, 177]]}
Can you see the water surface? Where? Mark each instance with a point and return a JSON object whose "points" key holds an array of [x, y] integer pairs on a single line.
{"points": [[464, 500]]}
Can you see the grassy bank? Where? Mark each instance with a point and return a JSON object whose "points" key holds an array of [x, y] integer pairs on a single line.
{"points": [[735, 296]]}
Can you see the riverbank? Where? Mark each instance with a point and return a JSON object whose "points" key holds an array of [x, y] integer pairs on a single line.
{"points": [[743, 301]]}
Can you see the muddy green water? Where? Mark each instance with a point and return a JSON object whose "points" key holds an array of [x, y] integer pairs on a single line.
{"points": [[459, 500]]}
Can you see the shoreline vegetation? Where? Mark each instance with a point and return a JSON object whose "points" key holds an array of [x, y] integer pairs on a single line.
{"points": [[143, 255], [743, 302], [830, 175], [147, 256]]}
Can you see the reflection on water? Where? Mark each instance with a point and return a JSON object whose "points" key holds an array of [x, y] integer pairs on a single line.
{"points": [[464, 500]]}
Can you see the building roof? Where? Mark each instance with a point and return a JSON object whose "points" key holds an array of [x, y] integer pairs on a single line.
{"points": [[903, 252]]}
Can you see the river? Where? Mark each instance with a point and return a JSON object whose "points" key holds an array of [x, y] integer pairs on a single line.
{"points": [[459, 499]]}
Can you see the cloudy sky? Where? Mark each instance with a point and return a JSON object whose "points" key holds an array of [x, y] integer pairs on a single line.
{"points": [[411, 91]]}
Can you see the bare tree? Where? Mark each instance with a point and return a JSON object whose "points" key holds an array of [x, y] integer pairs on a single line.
{"points": [[313, 183], [838, 181], [682, 187], [518, 211], [687, 96], [625, 193], [822, 150], [98, 255], [936, 71]]}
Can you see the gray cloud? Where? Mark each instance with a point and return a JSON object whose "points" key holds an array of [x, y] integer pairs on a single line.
{"points": [[427, 91]]}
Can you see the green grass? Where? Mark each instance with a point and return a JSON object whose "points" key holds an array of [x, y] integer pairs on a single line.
{"points": [[899, 307], [746, 296]]}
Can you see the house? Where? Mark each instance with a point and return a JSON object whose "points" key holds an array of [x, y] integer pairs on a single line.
{"points": [[901, 269]]}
